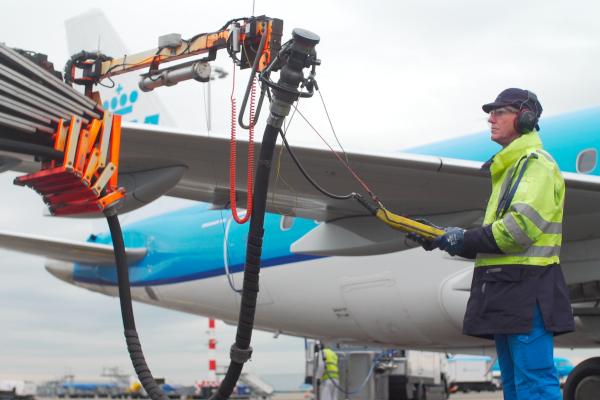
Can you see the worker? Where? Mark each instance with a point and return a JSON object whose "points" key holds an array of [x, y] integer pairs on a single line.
{"points": [[327, 369], [519, 297]]}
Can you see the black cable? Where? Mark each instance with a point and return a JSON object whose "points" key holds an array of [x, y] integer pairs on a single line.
{"points": [[319, 188], [231, 21], [110, 87], [133, 342], [31, 149], [263, 42]]}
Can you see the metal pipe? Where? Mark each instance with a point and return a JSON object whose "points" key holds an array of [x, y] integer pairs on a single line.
{"points": [[199, 71], [235, 38]]}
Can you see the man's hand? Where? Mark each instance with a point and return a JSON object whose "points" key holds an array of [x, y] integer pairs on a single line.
{"points": [[426, 244], [452, 242]]}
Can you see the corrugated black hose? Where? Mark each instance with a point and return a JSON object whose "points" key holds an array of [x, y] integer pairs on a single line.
{"points": [[291, 76], [133, 342], [241, 347]]}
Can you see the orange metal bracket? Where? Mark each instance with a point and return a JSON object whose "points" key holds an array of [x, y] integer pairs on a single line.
{"points": [[81, 184], [94, 129], [61, 135], [115, 146]]}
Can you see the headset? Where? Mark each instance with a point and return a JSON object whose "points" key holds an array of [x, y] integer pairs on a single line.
{"points": [[527, 120]]}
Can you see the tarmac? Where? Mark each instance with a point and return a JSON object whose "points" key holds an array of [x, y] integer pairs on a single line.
{"points": [[454, 396], [301, 396]]}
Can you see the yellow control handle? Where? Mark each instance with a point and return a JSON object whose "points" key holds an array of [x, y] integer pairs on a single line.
{"points": [[407, 225]]}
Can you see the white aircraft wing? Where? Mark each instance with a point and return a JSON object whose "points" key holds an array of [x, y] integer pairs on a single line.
{"points": [[448, 192], [67, 250]]}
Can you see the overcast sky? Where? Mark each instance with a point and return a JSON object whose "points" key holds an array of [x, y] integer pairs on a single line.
{"points": [[395, 74]]}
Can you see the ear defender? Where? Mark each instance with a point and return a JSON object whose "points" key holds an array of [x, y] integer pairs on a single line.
{"points": [[527, 120]]}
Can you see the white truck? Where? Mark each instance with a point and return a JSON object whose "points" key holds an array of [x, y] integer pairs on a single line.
{"points": [[467, 373], [10, 390], [398, 375]]}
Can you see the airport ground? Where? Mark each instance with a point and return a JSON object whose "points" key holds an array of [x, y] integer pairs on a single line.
{"points": [[454, 396], [300, 396]]}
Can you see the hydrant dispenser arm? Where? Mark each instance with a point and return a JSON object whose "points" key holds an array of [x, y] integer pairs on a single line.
{"points": [[248, 33]]}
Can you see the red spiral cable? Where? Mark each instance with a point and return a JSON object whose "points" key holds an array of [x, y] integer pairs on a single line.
{"points": [[233, 155]]}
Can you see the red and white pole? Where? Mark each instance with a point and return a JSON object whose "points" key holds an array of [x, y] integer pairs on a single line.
{"points": [[212, 351], [212, 360]]}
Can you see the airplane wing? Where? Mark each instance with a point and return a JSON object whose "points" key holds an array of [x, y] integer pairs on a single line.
{"points": [[67, 250], [448, 192]]}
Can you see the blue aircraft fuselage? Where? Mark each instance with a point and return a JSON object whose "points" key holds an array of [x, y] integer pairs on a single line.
{"points": [[189, 244]]}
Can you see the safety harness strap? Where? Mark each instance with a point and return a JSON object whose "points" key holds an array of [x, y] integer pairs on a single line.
{"points": [[508, 196]]}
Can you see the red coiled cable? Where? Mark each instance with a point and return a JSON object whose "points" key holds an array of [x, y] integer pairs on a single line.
{"points": [[233, 154]]}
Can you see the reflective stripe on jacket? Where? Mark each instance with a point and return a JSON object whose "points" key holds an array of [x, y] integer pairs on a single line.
{"points": [[530, 231], [331, 365]]}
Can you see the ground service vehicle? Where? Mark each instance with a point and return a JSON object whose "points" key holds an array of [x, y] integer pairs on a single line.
{"points": [[10, 390], [377, 373], [467, 373]]}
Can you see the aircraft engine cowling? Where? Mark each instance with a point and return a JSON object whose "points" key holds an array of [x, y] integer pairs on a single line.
{"points": [[143, 187]]}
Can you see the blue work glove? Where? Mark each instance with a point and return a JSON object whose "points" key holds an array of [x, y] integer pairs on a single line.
{"points": [[452, 242], [425, 244]]}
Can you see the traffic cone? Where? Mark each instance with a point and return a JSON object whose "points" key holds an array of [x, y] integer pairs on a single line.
{"points": [[308, 394]]}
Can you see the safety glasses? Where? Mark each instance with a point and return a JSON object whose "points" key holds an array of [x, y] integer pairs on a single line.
{"points": [[499, 112]]}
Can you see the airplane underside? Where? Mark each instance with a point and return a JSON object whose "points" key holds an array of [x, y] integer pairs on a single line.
{"points": [[407, 299]]}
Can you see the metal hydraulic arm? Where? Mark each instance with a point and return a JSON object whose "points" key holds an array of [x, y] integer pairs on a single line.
{"points": [[235, 33]]}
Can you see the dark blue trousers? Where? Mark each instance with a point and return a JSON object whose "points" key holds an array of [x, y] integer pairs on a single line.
{"points": [[527, 364]]}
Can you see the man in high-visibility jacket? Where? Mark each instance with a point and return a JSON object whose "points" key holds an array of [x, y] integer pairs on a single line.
{"points": [[519, 296], [327, 369]]}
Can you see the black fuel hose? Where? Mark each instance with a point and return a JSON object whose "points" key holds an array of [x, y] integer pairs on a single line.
{"points": [[315, 184], [241, 350], [133, 342]]}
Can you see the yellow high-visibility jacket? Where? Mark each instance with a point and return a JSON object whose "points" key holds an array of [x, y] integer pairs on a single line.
{"points": [[518, 247], [331, 365], [530, 231]]}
